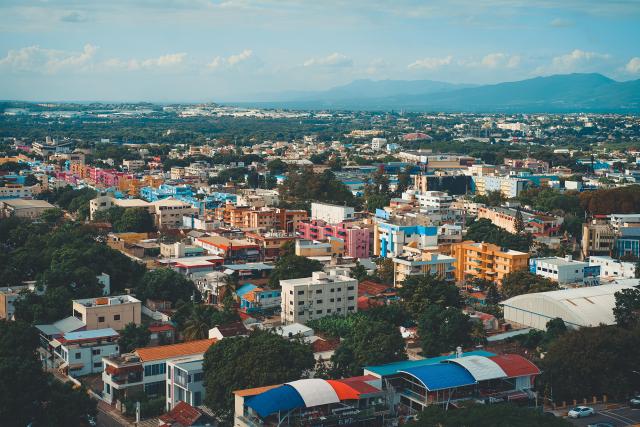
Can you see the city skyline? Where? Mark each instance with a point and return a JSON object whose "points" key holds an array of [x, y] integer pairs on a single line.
{"points": [[234, 50]]}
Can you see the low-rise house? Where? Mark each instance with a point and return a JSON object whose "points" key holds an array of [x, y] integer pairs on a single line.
{"points": [[184, 415], [258, 299], [23, 208], [230, 330], [108, 312], [611, 267], [81, 352], [566, 270], [185, 382]]}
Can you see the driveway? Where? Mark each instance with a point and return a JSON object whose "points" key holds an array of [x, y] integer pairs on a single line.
{"points": [[623, 416]]}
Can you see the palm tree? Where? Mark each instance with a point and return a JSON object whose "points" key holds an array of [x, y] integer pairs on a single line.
{"points": [[197, 325]]}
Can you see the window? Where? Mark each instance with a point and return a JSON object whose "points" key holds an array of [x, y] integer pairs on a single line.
{"points": [[291, 313], [338, 310], [78, 355], [319, 301], [101, 319], [318, 291], [300, 313], [328, 310], [332, 290], [350, 298], [350, 308], [97, 364], [116, 317], [198, 377], [300, 302], [300, 292], [350, 288], [95, 351], [339, 289], [290, 302], [339, 299], [332, 300], [318, 311]]}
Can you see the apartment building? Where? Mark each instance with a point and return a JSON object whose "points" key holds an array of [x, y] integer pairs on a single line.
{"points": [[81, 352], [23, 208], [260, 218], [423, 264], [611, 267], [331, 214], [133, 165], [389, 240], [317, 296], [168, 212], [105, 202], [313, 248], [509, 186], [566, 270], [108, 312], [378, 144], [486, 261], [16, 191], [270, 243], [185, 382], [357, 239], [598, 238], [536, 224], [145, 369], [230, 249]]}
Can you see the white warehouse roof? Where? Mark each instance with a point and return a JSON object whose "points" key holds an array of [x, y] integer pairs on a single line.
{"points": [[481, 368], [588, 306], [315, 392]]}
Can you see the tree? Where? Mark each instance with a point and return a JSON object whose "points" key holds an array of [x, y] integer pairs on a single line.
{"points": [[203, 318], [166, 285], [483, 230], [292, 267], [495, 415], [441, 330], [591, 362], [359, 272], [519, 221], [133, 336], [636, 272], [51, 216], [418, 293], [627, 309], [370, 342], [524, 282], [384, 271], [253, 361]]}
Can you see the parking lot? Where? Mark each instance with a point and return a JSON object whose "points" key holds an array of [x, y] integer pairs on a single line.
{"points": [[623, 416]]}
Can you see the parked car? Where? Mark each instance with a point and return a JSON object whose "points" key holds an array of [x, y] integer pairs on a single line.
{"points": [[635, 402], [600, 425], [581, 411]]}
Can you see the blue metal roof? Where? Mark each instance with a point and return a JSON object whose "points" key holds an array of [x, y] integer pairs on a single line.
{"points": [[92, 334], [441, 376], [283, 398], [394, 368], [247, 287]]}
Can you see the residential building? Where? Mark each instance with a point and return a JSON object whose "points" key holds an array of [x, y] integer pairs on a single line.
{"points": [[611, 267], [313, 248], [628, 242], [258, 299], [230, 249], [486, 261], [23, 208], [536, 224], [105, 202], [185, 382], [16, 191], [82, 352], [389, 239], [331, 214], [565, 270], [452, 184], [270, 243], [357, 238], [145, 369], [133, 165], [508, 186], [108, 312], [598, 238], [426, 263], [378, 144], [180, 250], [317, 296], [168, 212]]}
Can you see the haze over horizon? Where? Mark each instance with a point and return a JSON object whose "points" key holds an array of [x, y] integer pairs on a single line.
{"points": [[233, 50]]}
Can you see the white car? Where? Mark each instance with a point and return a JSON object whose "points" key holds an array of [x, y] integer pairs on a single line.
{"points": [[581, 411]]}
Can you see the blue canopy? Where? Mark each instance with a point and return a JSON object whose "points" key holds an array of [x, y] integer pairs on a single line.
{"points": [[283, 398], [441, 376]]}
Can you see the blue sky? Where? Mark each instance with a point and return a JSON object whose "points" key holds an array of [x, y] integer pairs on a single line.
{"points": [[217, 50]]}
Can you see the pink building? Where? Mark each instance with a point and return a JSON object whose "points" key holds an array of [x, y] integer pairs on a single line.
{"points": [[356, 239]]}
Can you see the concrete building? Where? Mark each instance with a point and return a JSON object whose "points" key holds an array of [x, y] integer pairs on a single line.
{"points": [[108, 312], [536, 224], [82, 352], [331, 214], [185, 382], [578, 307], [317, 296], [389, 239], [145, 369], [378, 144], [133, 165], [357, 239], [168, 213], [611, 267], [23, 208], [16, 191], [105, 202], [509, 186], [486, 261], [426, 263], [565, 270], [598, 238], [313, 248]]}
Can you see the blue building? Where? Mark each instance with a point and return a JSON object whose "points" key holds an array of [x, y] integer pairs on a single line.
{"points": [[628, 242], [390, 239]]}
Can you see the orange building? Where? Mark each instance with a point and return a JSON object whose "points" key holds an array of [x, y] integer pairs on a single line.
{"points": [[486, 261]]}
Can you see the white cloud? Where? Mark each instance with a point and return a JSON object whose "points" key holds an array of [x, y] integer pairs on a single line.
{"points": [[164, 61], [37, 59], [498, 60], [333, 60], [561, 23], [574, 61], [220, 62], [430, 63], [633, 66]]}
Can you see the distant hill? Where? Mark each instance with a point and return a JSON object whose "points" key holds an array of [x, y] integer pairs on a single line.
{"points": [[557, 93]]}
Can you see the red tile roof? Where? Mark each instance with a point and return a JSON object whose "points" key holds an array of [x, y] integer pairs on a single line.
{"points": [[515, 365], [182, 414], [367, 287], [174, 350]]}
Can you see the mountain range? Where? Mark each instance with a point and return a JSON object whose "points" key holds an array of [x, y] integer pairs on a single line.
{"points": [[560, 93]]}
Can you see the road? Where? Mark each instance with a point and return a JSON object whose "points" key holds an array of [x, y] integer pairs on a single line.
{"points": [[623, 416], [106, 417]]}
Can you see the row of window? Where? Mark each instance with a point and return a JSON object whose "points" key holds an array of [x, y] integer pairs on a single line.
{"points": [[319, 291], [115, 317], [327, 311]]}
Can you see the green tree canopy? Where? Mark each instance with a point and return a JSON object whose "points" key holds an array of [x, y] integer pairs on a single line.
{"points": [[418, 293], [133, 336], [524, 282], [167, 285], [292, 267], [263, 358], [483, 230], [627, 309], [442, 329]]}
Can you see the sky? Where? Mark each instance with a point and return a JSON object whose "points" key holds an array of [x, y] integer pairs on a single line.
{"points": [[238, 50]]}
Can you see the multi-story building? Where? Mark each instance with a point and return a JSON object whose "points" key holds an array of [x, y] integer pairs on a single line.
{"points": [[108, 312], [260, 218], [23, 208], [509, 186], [317, 296], [628, 242], [389, 239], [168, 213], [378, 144], [423, 264], [270, 243], [313, 248], [611, 267], [145, 369], [230, 249], [356, 238], [185, 382], [486, 261], [16, 191], [133, 165], [258, 198], [331, 214], [536, 224], [82, 352], [105, 202], [598, 238], [565, 270]]}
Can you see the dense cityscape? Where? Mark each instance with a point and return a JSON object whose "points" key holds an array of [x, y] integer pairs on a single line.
{"points": [[259, 213]]}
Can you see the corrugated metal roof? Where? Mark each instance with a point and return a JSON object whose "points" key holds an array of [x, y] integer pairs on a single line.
{"points": [[395, 367], [515, 365], [315, 391], [283, 398], [441, 376], [174, 350], [94, 334], [481, 368]]}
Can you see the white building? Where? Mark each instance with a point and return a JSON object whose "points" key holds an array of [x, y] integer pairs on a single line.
{"points": [[317, 296], [434, 201], [565, 270], [510, 187], [578, 307], [332, 214], [185, 382], [378, 144], [133, 165], [82, 352], [611, 267]]}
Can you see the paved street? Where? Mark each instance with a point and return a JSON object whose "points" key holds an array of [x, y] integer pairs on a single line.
{"points": [[107, 417], [623, 416]]}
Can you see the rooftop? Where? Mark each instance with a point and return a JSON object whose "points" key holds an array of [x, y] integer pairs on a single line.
{"points": [[171, 351], [101, 301]]}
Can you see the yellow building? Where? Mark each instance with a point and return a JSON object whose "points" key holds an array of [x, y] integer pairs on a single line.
{"points": [[486, 261], [108, 312], [310, 248]]}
